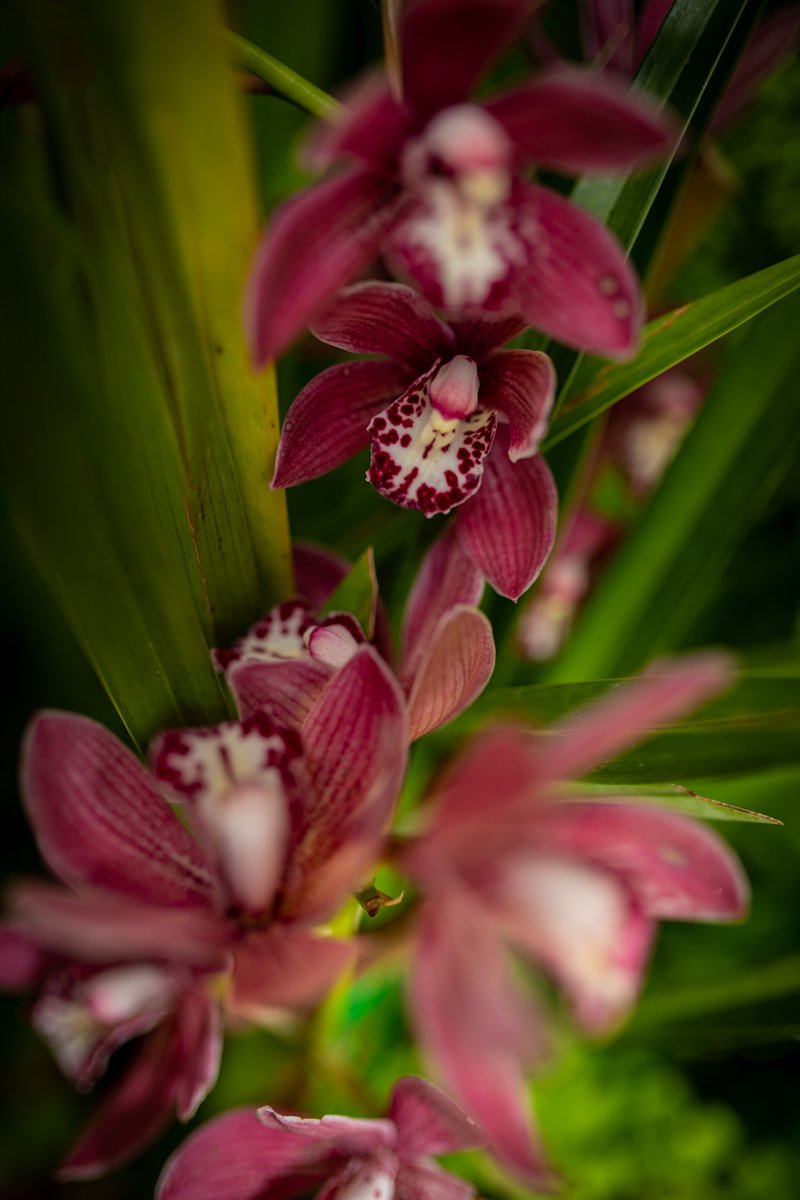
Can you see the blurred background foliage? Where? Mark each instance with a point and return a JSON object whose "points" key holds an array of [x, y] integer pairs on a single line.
{"points": [[697, 1098]]}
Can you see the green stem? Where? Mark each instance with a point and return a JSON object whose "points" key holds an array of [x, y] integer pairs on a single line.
{"points": [[283, 79]]}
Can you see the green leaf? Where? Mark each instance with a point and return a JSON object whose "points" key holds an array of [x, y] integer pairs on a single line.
{"points": [[357, 593], [754, 728], [768, 981], [740, 447], [670, 339], [673, 795]]}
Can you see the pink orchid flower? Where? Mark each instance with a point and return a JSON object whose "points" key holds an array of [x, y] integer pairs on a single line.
{"points": [[514, 859], [437, 186], [155, 926], [447, 653], [454, 422], [247, 1156]]}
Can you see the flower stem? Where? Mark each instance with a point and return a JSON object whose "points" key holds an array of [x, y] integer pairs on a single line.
{"points": [[283, 79]]}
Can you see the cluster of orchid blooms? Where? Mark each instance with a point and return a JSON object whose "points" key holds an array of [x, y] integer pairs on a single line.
{"points": [[163, 926]]}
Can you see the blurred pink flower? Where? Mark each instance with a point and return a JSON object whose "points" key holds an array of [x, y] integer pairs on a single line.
{"points": [[437, 186], [513, 859], [156, 926], [246, 1156], [454, 421], [447, 651]]}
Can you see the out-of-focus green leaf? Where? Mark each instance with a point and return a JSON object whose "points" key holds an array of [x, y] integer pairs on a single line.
{"points": [[357, 593], [768, 981], [175, 131], [674, 337], [92, 465], [743, 442], [672, 795], [139, 447], [753, 728]]}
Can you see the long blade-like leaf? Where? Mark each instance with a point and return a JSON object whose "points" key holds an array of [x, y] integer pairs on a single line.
{"points": [[671, 339]]}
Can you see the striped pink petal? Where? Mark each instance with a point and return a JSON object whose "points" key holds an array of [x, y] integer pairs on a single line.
{"points": [[520, 384], [235, 1157], [286, 690], [580, 122], [316, 243], [386, 318], [283, 967], [676, 867], [355, 740], [100, 821], [428, 1122], [446, 577], [453, 670], [508, 528], [578, 287], [328, 421], [475, 32], [476, 1026], [600, 731]]}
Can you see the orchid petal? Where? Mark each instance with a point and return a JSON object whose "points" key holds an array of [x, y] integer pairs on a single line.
{"points": [[476, 1026], [454, 669], [428, 1122], [447, 577], [132, 1114], [286, 691], [521, 384], [421, 459], [477, 336], [386, 318], [316, 242], [369, 126], [600, 731], [772, 43], [101, 927], [578, 286], [355, 739], [283, 967], [328, 422], [99, 820], [84, 1016], [677, 868], [23, 963], [234, 1157], [352, 1136], [581, 122], [198, 1038], [475, 32], [509, 527], [427, 1181], [318, 572], [584, 927]]}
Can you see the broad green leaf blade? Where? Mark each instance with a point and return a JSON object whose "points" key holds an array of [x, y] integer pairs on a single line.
{"points": [[91, 463], [743, 442], [358, 593], [753, 728], [671, 339], [681, 799], [164, 92]]}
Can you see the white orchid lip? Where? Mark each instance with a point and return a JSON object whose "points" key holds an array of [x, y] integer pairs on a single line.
{"points": [[453, 391]]}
